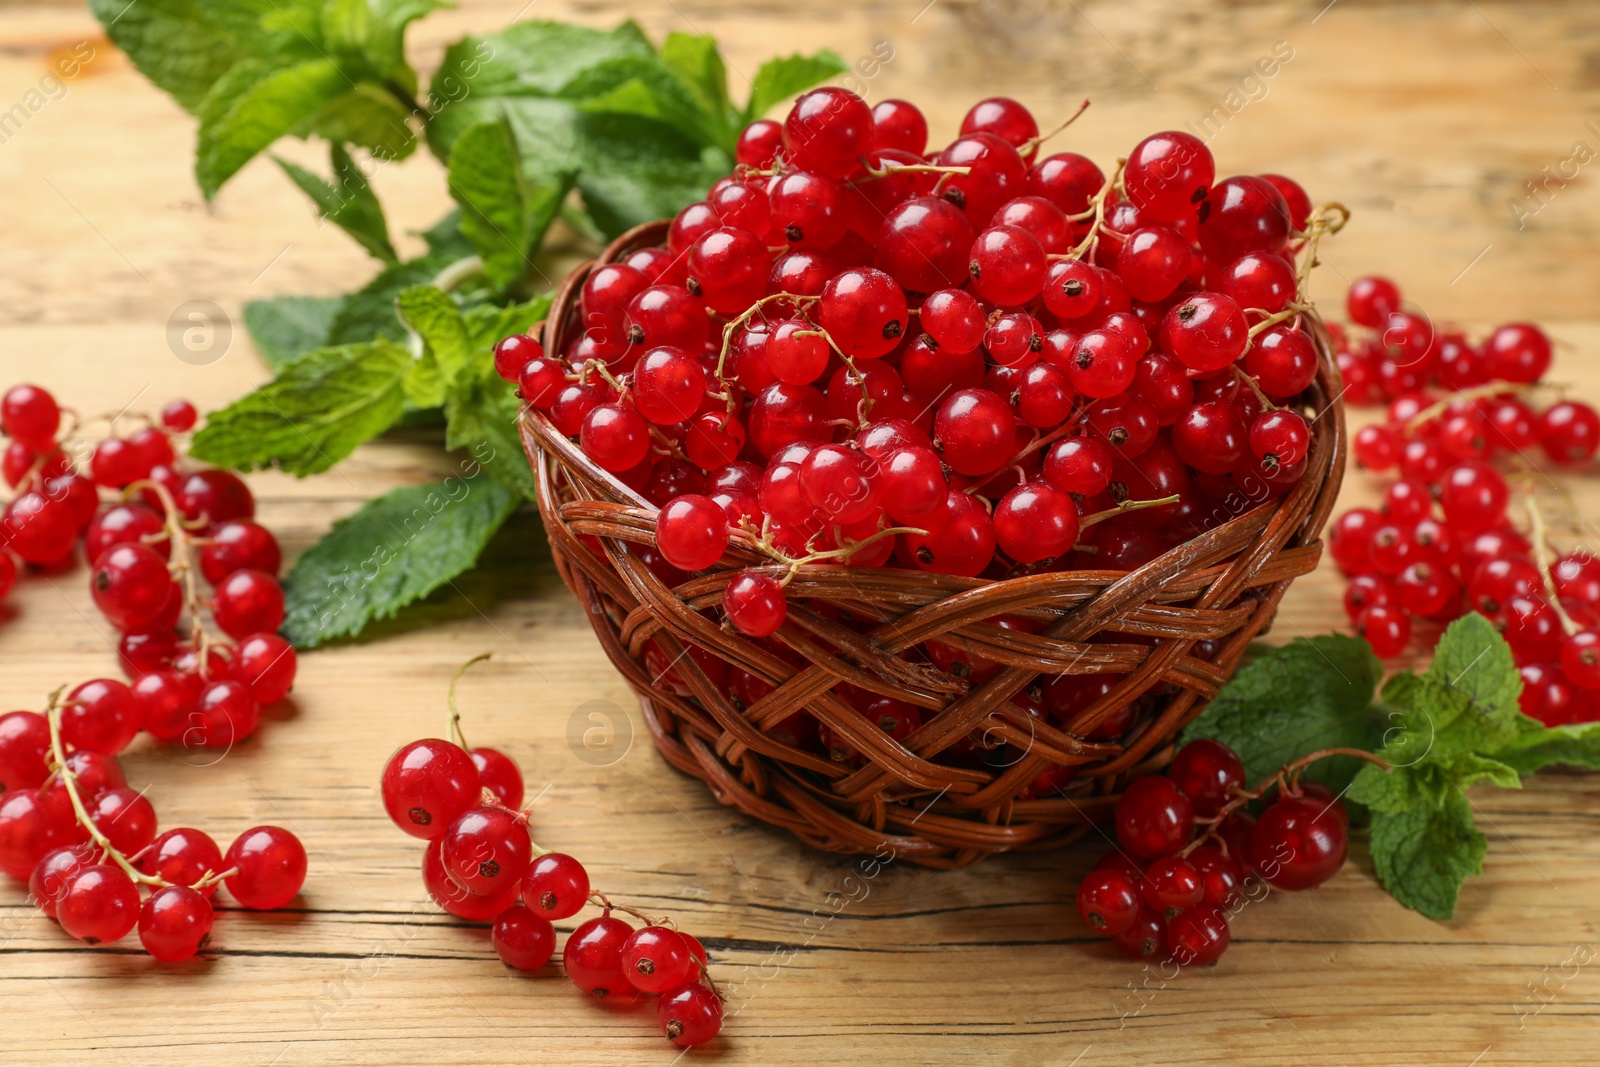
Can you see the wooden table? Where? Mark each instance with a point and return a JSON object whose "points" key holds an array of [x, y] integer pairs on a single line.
{"points": [[1426, 119]]}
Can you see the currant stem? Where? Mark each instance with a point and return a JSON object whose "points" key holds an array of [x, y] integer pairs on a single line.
{"points": [[69, 781], [1539, 534], [1329, 218], [1295, 309], [733, 325], [450, 700], [1477, 392], [1123, 508], [1032, 144], [1097, 209], [1255, 387], [598, 898], [183, 564], [891, 168]]}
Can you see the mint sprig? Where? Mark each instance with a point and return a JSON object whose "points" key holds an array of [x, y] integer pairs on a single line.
{"points": [[538, 122], [1456, 725]]}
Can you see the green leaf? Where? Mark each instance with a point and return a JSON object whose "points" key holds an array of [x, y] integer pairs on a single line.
{"points": [[1310, 694], [647, 89], [284, 327], [698, 64], [437, 320], [347, 27], [185, 46], [368, 115], [446, 239], [1430, 782], [313, 414], [395, 550], [1576, 745], [369, 311], [238, 121], [779, 79], [348, 202], [481, 410], [1474, 660], [1423, 854], [504, 215]]}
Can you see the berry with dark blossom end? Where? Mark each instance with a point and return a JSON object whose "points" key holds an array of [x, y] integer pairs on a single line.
{"points": [[728, 269], [593, 956], [1205, 332], [1108, 900], [1171, 885], [864, 312], [1569, 432], [690, 1016], [755, 604], [1072, 288], [175, 923], [996, 173], [1168, 174], [960, 540], [130, 584], [98, 904], [426, 784], [656, 959], [1007, 266], [953, 319]]}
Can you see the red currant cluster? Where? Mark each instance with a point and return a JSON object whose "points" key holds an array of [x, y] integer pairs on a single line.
{"points": [[972, 361], [1170, 889], [168, 524], [482, 865], [1442, 542], [85, 843]]}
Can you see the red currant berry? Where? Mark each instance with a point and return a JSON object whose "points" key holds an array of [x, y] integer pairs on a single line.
{"points": [[996, 173], [1242, 215], [755, 604], [1036, 521], [265, 664], [1221, 876], [1072, 288], [1007, 266], [427, 784], [485, 849], [1569, 432], [959, 541], [1108, 900], [179, 416], [1519, 352], [1387, 629], [728, 269], [827, 130], [52, 872], [523, 940], [183, 857], [24, 745], [666, 316], [215, 496], [512, 353], [864, 312], [1168, 174], [1280, 438], [1209, 773], [98, 905], [271, 865], [1154, 818], [1103, 363], [1198, 936], [975, 432], [500, 775], [1282, 360], [656, 959], [246, 602], [692, 532], [175, 923], [1473, 496], [593, 956], [759, 143], [1298, 843], [1209, 437], [131, 585], [1153, 261], [541, 383], [239, 545], [1205, 332], [690, 1016], [1372, 300], [1377, 447], [29, 416], [1172, 885]]}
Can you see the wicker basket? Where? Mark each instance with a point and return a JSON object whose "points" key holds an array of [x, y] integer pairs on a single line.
{"points": [[1222, 587]]}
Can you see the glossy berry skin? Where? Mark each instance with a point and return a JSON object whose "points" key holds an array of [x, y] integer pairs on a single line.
{"points": [[1172, 885], [666, 315], [1221, 877], [98, 905], [1035, 522], [1387, 629], [1168, 174], [975, 432], [53, 871], [1209, 773], [1103, 363], [1108, 900], [899, 124], [24, 743], [512, 353], [837, 483], [911, 484], [1153, 262], [692, 532], [555, 886], [1282, 361], [523, 940], [1519, 352], [175, 923], [1242, 215], [1206, 332], [690, 1016], [864, 311], [444, 891], [953, 319], [271, 865], [1473, 496], [29, 416], [213, 495], [247, 602], [266, 665], [615, 436], [225, 714], [485, 850], [1371, 300], [37, 529], [728, 269], [959, 541], [593, 956], [33, 823], [826, 131], [656, 959], [1569, 432], [183, 856], [1198, 936], [1260, 281], [500, 775], [427, 784], [1006, 119], [755, 604], [125, 817], [1007, 266], [759, 143], [130, 585], [1580, 659], [1210, 438], [1079, 465], [1143, 939], [1154, 818], [239, 545], [997, 173], [1298, 843], [541, 382]]}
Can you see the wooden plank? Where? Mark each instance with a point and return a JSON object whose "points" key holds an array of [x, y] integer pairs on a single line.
{"points": [[1427, 119]]}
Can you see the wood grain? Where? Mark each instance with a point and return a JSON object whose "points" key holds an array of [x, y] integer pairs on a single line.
{"points": [[1426, 118]]}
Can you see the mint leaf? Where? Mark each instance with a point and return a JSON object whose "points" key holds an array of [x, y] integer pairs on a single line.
{"points": [[1428, 783], [1423, 854], [184, 46], [437, 320], [1312, 693], [284, 327], [481, 413], [504, 215], [779, 79], [647, 89], [369, 311], [348, 202], [242, 116], [698, 64], [445, 238], [395, 550], [313, 414], [368, 115], [1577, 745], [1472, 659]]}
